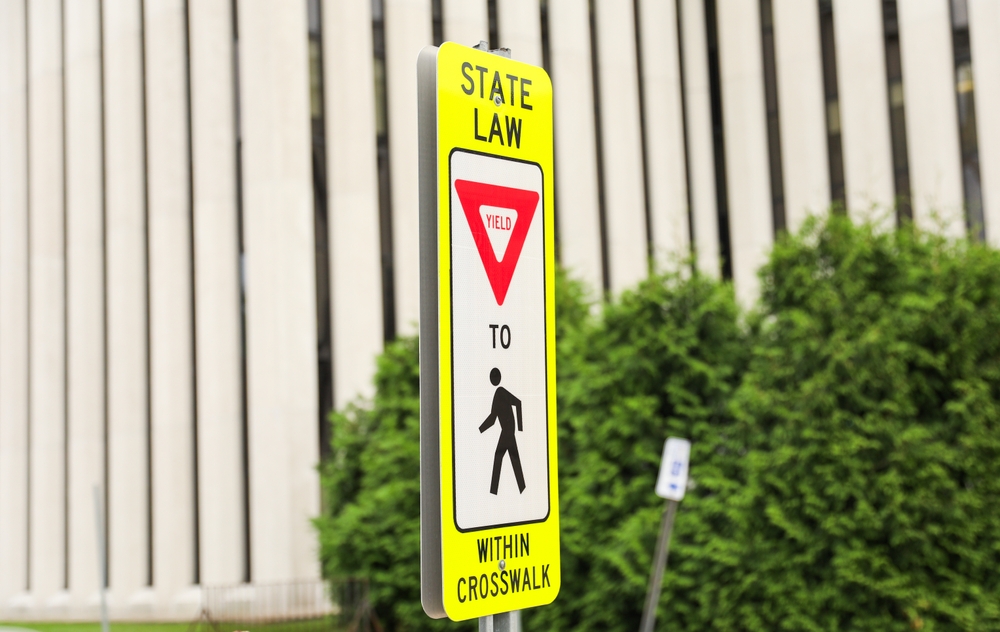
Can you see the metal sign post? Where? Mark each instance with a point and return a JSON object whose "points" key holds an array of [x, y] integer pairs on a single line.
{"points": [[489, 493], [671, 484], [659, 566], [503, 622]]}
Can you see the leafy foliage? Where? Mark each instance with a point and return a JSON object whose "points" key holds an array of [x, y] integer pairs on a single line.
{"points": [[372, 487], [845, 437], [661, 361], [870, 408]]}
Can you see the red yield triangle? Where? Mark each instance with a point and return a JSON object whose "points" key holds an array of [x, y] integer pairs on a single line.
{"points": [[474, 195]]}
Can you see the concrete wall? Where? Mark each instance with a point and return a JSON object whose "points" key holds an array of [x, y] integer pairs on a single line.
{"points": [[14, 283], [85, 339], [741, 75], [47, 306], [864, 109], [799, 65]]}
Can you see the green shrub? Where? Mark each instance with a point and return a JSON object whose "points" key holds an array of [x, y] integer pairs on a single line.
{"points": [[846, 448], [371, 527], [870, 410], [661, 361]]}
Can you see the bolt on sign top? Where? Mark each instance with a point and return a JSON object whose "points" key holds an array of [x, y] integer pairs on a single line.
{"points": [[489, 522]]}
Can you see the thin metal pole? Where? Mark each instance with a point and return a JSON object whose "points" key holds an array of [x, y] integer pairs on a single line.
{"points": [[102, 558], [659, 565], [503, 622]]}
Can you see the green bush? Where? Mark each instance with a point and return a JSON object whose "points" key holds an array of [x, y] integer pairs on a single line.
{"points": [[845, 435], [870, 410], [371, 524], [662, 360]]}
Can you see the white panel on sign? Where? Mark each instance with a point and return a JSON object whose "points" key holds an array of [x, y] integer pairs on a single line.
{"points": [[674, 469], [500, 418]]}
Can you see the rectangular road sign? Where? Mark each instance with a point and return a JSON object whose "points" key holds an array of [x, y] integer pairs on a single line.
{"points": [[672, 481], [489, 523]]}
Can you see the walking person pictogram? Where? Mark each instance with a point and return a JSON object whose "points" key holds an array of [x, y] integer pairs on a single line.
{"points": [[504, 404]]}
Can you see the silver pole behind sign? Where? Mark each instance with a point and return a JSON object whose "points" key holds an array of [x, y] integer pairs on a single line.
{"points": [[102, 558], [659, 565], [503, 622]]}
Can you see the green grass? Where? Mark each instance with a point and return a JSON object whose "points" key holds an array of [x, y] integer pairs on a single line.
{"points": [[171, 627], [96, 627]]}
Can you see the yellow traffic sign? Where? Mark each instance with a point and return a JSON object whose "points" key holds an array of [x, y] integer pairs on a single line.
{"points": [[489, 484]]}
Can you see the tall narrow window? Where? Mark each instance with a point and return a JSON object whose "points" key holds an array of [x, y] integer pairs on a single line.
{"points": [[605, 271], [718, 138], [968, 137], [149, 389], [834, 142], [196, 579], [897, 113], [247, 577], [494, 24], [773, 123], [678, 8], [643, 127], [382, 140], [324, 335], [437, 21], [547, 65], [546, 46]]}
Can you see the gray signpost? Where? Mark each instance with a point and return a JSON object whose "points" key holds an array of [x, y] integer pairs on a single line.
{"points": [[671, 484]]}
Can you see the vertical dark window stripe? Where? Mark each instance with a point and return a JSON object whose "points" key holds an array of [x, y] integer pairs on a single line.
{"points": [[773, 120], [65, 250], [831, 95], [384, 174], [324, 335], [967, 132], [196, 514], [684, 124], [245, 423], [599, 145], [543, 14], [27, 214], [897, 111], [104, 288], [494, 24], [437, 20], [718, 137], [149, 394], [644, 144]]}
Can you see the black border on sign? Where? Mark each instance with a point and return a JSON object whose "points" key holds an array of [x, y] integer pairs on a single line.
{"points": [[451, 333]]}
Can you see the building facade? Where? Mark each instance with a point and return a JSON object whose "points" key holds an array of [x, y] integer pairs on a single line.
{"points": [[208, 228]]}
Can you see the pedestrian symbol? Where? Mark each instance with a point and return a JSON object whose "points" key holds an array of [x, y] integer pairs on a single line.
{"points": [[504, 405], [501, 461]]}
